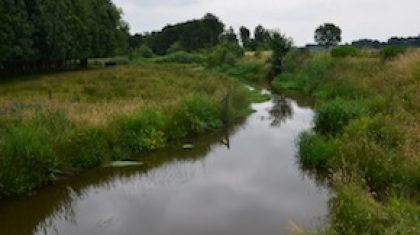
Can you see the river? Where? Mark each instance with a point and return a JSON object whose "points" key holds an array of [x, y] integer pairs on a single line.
{"points": [[243, 181]]}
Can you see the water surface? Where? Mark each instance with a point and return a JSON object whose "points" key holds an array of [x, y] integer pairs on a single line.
{"points": [[242, 181]]}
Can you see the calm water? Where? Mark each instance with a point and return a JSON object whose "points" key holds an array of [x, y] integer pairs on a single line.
{"points": [[242, 181]]}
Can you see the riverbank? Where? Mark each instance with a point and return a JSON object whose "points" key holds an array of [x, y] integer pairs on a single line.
{"points": [[242, 180], [366, 138], [59, 124]]}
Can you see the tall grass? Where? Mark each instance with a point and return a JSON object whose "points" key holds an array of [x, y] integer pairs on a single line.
{"points": [[102, 115], [366, 134]]}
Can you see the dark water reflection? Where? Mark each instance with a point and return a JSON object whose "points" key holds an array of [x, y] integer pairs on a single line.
{"points": [[253, 187]]}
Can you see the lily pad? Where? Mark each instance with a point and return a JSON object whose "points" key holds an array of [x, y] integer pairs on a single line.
{"points": [[120, 164]]}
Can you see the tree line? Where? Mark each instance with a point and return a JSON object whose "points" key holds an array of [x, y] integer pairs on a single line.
{"points": [[198, 34], [43, 35]]}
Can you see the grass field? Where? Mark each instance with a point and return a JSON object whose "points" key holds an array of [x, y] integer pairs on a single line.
{"points": [[64, 122], [366, 136]]}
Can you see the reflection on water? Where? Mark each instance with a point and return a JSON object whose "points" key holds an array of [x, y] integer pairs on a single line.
{"points": [[241, 181], [281, 111]]}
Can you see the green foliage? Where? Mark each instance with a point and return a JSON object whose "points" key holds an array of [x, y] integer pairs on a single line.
{"points": [[245, 36], [261, 40], [344, 51], [229, 36], [142, 52], [27, 153], [141, 132], [333, 116], [181, 57], [316, 151], [257, 96], [391, 52], [295, 61], [190, 36], [37, 145], [45, 33], [362, 137], [249, 72], [280, 45], [328, 35], [224, 54], [176, 47], [355, 211], [307, 76], [196, 115]]}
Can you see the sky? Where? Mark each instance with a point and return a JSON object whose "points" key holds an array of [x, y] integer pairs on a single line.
{"points": [[298, 19]]}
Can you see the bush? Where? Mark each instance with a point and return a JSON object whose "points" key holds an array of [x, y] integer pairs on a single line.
{"points": [[225, 54], [344, 51], [181, 57], [391, 52], [86, 148], [176, 47], [252, 72], [196, 115], [296, 60], [315, 151], [142, 52], [141, 132], [333, 116], [27, 153]]}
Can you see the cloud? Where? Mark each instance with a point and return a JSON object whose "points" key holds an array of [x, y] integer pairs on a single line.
{"points": [[379, 19]]}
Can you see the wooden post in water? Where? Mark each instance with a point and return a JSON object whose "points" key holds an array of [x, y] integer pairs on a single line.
{"points": [[49, 94]]}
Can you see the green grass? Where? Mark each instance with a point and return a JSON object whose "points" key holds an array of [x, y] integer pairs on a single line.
{"points": [[366, 136], [102, 115]]}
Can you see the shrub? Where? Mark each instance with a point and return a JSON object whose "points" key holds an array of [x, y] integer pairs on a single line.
{"points": [[86, 148], [344, 51], [176, 47], [315, 151], [141, 132], [391, 52], [181, 57], [142, 52], [252, 72], [333, 116], [195, 115], [224, 54], [27, 153], [296, 60]]}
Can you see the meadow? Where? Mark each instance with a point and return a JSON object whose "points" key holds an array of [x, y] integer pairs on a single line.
{"points": [[57, 124], [366, 136]]}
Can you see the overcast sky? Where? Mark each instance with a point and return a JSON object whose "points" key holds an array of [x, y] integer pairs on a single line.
{"points": [[379, 19]]}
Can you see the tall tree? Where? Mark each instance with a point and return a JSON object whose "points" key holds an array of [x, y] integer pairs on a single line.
{"points": [[280, 45], [191, 35], [43, 34], [262, 37], [15, 31], [229, 36], [328, 35], [245, 35]]}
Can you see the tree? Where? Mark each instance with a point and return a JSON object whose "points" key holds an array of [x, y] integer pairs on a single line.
{"points": [[229, 36], [328, 35], [262, 37], [245, 35], [191, 35], [280, 45]]}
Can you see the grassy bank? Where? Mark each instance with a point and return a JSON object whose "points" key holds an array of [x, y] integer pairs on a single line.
{"points": [[366, 136], [56, 124]]}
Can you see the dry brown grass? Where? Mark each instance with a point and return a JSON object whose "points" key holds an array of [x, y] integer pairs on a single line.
{"points": [[97, 96]]}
